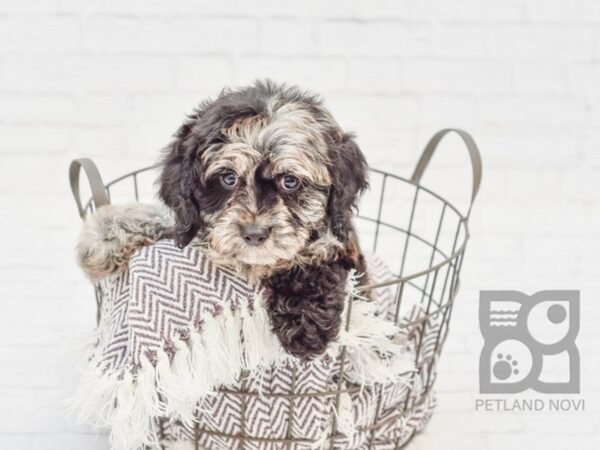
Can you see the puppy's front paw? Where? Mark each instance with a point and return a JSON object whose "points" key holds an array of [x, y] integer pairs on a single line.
{"points": [[305, 307]]}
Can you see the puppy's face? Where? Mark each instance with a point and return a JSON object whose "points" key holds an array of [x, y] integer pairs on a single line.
{"points": [[261, 173], [266, 187]]}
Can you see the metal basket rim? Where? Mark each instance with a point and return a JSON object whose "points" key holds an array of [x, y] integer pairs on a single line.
{"points": [[463, 221]]}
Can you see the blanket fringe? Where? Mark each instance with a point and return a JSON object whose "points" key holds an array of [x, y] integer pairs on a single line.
{"points": [[373, 355], [227, 345]]}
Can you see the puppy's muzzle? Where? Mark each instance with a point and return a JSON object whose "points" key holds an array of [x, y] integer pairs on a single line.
{"points": [[254, 234]]}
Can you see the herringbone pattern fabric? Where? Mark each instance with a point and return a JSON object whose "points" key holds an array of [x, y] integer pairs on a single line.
{"points": [[169, 291], [166, 291]]}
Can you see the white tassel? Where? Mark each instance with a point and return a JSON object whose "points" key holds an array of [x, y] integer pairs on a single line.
{"points": [[204, 376], [173, 389], [147, 399], [125, 397], [373, 355], [97, 394], [252, 330], [344, 416], [230, 331], [215, 356], [182, 372], [262, 347]]}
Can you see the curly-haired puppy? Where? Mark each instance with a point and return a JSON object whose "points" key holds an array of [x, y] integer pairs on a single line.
{"points": [[266, 180]]}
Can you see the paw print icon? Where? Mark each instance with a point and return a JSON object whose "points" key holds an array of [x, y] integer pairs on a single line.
{"points": [[529, 342]]}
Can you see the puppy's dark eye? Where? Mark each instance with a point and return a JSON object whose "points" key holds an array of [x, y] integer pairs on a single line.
{"points": [[229, 180], [289, 183]]}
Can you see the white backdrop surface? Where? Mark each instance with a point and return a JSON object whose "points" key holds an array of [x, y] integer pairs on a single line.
{"points": [[112, 80]]}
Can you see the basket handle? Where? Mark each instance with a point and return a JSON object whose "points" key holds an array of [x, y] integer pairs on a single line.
{"points": [[473, 154], [99, 195]]}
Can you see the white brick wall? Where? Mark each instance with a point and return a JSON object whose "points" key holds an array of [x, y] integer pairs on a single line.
{"points": [[113, 79]]}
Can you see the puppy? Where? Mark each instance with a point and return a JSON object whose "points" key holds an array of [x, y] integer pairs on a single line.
{"points": [[265, 180]]}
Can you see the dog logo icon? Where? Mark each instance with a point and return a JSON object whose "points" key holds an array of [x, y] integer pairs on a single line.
{"points": [[529, 342]]}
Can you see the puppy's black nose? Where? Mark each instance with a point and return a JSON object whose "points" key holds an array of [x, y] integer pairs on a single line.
{"points": [[254, 234]]}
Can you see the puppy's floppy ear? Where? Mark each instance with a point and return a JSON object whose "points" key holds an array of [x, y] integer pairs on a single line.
{"points": [[348, 170], [181, 183]]}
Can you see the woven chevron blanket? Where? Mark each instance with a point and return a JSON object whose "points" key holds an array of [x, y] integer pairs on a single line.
{"points": [[184, 358]]}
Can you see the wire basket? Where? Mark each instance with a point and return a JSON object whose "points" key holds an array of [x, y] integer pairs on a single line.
{"points": [[424, 243]]}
